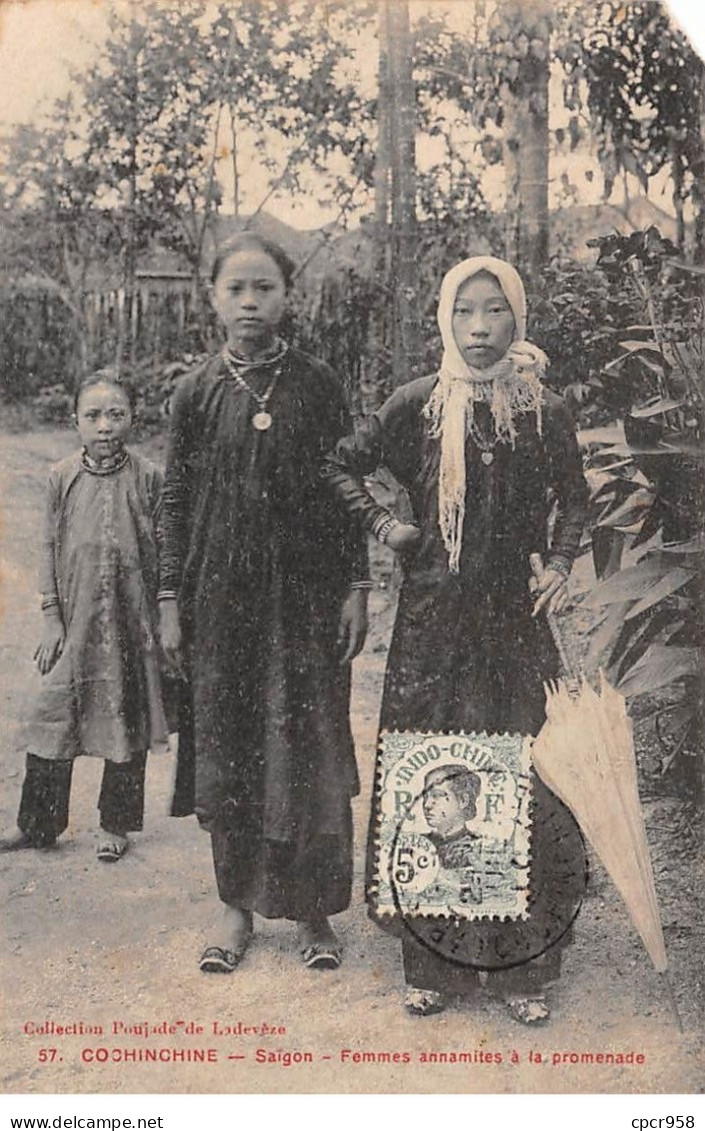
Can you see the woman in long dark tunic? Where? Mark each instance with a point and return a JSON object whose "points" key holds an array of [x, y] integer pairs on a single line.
{"points": [[263, 601], [479, 447]]}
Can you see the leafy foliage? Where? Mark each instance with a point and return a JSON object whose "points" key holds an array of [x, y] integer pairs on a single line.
{"points": [[577, 317], [627, 56], [129, 161], [648, 492]]}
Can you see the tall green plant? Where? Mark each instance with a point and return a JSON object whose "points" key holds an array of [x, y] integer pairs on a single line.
{"points": [[649, 493]]}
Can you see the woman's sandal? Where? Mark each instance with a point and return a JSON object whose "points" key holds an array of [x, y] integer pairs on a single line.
{"points": [[223, 960], [322, 956], [422, 1003], [112, 849], [218, 960], [529, 1010], [320, 949]]}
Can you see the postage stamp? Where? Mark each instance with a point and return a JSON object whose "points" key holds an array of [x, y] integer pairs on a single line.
{"points": [[454, 833]]}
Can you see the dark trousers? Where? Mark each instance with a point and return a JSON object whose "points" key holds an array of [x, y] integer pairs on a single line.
{"points": [[44, 806], [426, 970]]}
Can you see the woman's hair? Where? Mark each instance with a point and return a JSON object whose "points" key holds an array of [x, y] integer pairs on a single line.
{"points": [[485, 274], [107, 376], [459, 779], [244, 241]]}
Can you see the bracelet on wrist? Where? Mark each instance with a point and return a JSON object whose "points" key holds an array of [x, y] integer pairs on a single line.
{"points": [[50, 604], [559, 565], [361, 585], [381, 520], [383, 529], [167, 595]]}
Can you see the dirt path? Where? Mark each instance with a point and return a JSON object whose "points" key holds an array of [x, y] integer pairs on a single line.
{"points": [[95, 945]]}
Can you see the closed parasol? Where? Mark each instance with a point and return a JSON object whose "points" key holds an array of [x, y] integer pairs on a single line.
{"points": [[585, 755]]}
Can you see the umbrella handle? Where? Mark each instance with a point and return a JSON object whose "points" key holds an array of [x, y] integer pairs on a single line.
{"points": [[673, 1001], [537, 569], [572, 675]]}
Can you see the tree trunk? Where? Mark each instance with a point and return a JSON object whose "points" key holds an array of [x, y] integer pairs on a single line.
{"points": [[235, 165], [382, 156], [699, 183], [126, 342], [376, 370], [677, 175], [525, 141], [402, 118], [75, 300]]}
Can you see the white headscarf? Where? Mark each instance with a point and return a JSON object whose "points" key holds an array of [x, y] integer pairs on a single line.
{"points": [[510, 386]]}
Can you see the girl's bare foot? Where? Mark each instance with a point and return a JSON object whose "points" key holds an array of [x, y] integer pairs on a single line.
{"points": [[231, 938], [319, 944]]}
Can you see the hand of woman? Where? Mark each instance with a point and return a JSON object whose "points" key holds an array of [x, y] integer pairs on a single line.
{"points": [[550, 587], [170, 635], [352, 628], [403, 537], [51, 645]]}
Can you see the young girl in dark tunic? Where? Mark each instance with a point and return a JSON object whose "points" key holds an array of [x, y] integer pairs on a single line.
{"points": [[477, 446], [101, 691], [263, 601]]}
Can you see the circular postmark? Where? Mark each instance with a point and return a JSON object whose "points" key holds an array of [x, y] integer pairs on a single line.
{"points": [[477, 902]]}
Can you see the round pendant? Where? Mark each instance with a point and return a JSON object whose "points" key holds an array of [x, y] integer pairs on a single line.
{"points": [[487, 458], [261, 421]]}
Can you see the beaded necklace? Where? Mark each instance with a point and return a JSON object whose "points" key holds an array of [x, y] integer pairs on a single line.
{"points": [[104, 466], [262, 419]]}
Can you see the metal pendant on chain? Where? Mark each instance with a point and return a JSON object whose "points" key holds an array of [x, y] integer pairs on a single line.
{"points": [[485, 446], [262, 419]]}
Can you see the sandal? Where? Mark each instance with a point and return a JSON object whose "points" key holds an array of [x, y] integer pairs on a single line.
{"points": [[529, 1010], [110, 851], [223, 960], [422, 1003], [218, 960], [322, 956], [319, 946]]}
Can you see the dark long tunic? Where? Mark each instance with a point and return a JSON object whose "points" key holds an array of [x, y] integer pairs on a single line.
{"points": [[261, 559], [466, 653]]}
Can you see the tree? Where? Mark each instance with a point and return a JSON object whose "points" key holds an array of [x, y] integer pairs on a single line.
{"points": [[148, 119], [52, 233], [643, 87], [379, 322], [520, 36], [630, 79], [402, 121], [498, 77], [148, 113]]}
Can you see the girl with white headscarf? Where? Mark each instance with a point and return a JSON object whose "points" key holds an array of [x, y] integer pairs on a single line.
{"points": [[483, 450]]}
